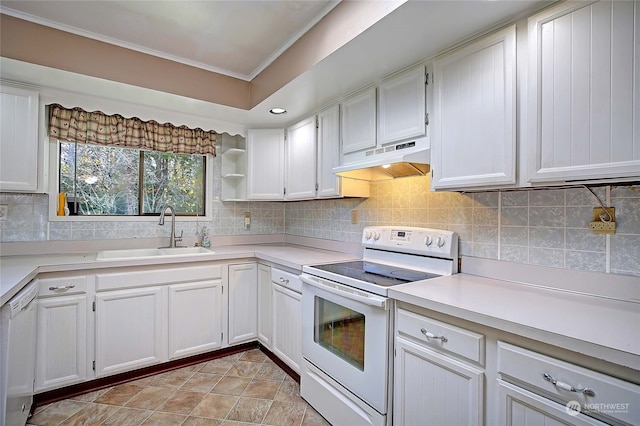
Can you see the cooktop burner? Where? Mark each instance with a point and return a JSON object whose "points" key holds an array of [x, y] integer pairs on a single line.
{"points": [[375, 273]]}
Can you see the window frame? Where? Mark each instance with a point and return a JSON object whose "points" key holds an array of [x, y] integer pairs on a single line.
{"points": [[54, 184]]}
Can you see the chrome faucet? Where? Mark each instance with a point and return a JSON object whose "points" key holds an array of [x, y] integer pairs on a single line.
{"points": [[173, 238]]}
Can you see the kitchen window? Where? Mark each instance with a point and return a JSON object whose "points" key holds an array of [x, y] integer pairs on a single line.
{"points": [[111, 167], [115, 181]]}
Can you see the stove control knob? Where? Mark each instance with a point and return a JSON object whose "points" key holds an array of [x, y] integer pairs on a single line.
{"points": [[440, 241], [376, 236], [427, 240], [367, 235]]}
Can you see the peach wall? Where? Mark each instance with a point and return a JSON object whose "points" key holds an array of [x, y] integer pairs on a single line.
{"points": [[38, 44]]}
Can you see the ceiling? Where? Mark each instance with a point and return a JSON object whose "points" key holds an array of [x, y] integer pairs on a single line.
{"points": [[234, 38], [241, 38]]}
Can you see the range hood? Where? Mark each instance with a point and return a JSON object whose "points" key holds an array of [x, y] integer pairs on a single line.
{"points": [[395, 161]]}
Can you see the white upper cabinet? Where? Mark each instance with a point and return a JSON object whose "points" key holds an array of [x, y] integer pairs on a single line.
{"points": [[401, 107], [584, 92], [474, 119], [358, 123], [328, 152], [19, 146], [301, 160], [265, 164]]}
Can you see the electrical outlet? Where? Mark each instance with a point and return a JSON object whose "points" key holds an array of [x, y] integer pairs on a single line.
{"points": [[354, 217], [604, 221], [600, 227], [247, 220], [4, 212]]}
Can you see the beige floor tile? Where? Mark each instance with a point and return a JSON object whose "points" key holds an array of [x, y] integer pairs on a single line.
{"points": [[201, 382], [217, 366], [201, 421], [250, 410], [285, 414], [127, 417], [215, 406], [57, 412], [91, 414], [244, 369], [150, 398], [182, 402], [172, 379], [119, 395], [231, 385], [289, 391], [270, 371], [264, 389], [253, 355], [91, 396], [312, 418], [164, 419]]}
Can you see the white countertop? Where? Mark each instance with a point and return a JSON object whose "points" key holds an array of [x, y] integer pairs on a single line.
{"points": [[600, 327], [17, 271]]}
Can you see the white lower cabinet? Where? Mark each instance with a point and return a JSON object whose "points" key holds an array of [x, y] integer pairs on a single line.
{"points": [[129, 330], [538, 389], [62, 332], [432, 387], [243, 302], [520, 407], [287, 318], [194, 318], [265, 323], [62, 342]]}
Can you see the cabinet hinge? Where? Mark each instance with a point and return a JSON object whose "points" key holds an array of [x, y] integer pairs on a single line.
{"points": [[93, 306], [426, 119], [317, 123], [221, 337], [93, 365], [316, 186], [426, 79], [284, 191], [222, 289]]}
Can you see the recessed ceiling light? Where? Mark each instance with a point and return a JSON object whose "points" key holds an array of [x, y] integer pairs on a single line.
{"points": [[278, 111]]}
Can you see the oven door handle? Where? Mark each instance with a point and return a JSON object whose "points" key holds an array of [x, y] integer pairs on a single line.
{"points": [[346, 291]]}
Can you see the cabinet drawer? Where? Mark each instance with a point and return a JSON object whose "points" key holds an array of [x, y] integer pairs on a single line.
{"points": [[603, 396], [286, 279], [62, 286], [149, 277], [447, 337]]}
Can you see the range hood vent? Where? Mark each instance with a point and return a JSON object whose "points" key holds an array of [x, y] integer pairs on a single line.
{"points": [[395, 161]]}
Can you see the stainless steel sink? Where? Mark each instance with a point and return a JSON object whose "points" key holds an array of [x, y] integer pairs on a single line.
{"points": [[151, 252]]}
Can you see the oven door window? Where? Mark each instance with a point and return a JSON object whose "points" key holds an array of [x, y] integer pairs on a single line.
{"points": [[340, 330]]}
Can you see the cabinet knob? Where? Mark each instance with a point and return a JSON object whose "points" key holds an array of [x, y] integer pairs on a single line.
{"points": [[284, 281], [430, 336], [565, 386], [61, 287]]}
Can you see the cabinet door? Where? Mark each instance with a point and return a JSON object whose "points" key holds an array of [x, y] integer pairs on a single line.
{"points": [[195, 318], [328, 152], [287, 326], [433, 389], [129, 330], [359, 122], [301, 160], [519, 407], [401, 107], [474, 134], [18, 139], [243, 302], [584, 81], [265, 324], [265, 164], [61, 351]]}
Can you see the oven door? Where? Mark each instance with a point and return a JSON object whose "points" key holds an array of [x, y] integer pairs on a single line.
{"points": [[345, 334]]}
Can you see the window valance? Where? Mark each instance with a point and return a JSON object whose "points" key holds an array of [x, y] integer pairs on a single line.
{"points": [[78, 125]]}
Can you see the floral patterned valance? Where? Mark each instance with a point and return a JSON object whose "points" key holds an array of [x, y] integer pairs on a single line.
{"points": [[78, 125]]}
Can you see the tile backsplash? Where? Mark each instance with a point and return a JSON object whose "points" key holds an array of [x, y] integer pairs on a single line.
{"points": [[546, 227]]}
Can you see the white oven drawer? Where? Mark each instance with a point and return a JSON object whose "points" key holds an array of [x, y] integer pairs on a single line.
{"points": [[612, 397], [62, 286], [286, 279], [437, 334]]}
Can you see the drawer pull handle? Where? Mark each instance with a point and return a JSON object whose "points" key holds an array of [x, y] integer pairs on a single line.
{"points": [[284, 281], [428, 335], [61, 287], [565, 386]]}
